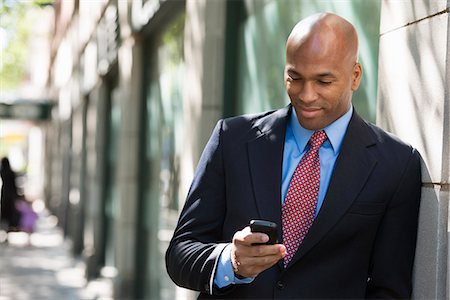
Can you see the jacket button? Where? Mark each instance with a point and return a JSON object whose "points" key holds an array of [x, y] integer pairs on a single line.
{"points": [[280, 285]]}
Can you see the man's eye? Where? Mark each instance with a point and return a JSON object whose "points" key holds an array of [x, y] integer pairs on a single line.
{"points": [[324, 82], [293, 77]]}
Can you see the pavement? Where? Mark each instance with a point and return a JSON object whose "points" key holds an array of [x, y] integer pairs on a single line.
{"points": [[40, 267]]}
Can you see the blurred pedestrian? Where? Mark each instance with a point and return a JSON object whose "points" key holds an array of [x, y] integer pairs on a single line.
{"points": [[9, 215], [28, 216]]}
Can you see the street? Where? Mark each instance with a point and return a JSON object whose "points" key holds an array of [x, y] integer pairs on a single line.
{"points": [[40, 266]]}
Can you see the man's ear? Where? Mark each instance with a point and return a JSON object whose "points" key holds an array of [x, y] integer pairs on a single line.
{"points": [[356, 76]]}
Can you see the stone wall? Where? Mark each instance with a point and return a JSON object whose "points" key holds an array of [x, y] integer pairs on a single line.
{"points": [[414, 104]]}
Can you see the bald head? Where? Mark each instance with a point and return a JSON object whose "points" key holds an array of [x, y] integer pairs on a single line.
{"points": [[321, 71], [327, 33]]}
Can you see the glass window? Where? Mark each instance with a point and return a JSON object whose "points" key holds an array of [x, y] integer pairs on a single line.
{"points": [[164, 117], [111, 200], [262, 37]]}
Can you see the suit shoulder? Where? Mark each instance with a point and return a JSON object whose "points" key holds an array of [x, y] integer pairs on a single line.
{"points": [[243, 128], [390, 141], [244, 121], [384, 136], [396, 157]]}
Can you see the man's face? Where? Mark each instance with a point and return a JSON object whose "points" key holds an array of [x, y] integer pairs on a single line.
{"points": [[320, 79]]}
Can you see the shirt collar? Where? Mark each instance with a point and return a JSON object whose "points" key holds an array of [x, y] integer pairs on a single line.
{"points": [[335, 131]]}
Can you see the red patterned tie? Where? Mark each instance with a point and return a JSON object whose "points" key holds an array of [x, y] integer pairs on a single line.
{"points": [[300, 203]]}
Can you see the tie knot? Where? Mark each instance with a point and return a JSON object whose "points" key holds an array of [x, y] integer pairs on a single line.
{"points": [[317, 139]]}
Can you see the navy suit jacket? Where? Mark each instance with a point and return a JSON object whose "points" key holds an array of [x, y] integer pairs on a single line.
{"points": [[362, 243]]}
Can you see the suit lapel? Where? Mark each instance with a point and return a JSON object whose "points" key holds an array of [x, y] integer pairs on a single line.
{"points": [[265, 154], [352, 169]]}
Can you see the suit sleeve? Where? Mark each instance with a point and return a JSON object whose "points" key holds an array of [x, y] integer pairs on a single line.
{"points": [[195, 248], [394, 250]]}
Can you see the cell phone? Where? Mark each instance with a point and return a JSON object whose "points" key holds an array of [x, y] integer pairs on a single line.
{"points": [[267, 227]]}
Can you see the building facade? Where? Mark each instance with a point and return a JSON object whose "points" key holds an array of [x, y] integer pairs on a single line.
{"points": [[140, 84]]}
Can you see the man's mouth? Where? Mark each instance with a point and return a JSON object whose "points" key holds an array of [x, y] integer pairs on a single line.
{"points": [[309, 112]]}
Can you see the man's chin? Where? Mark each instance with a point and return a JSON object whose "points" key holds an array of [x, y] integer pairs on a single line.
{"points": [[312, 123]]}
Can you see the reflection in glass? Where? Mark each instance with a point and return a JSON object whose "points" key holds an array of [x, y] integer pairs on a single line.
{"points": [[163, 152]]}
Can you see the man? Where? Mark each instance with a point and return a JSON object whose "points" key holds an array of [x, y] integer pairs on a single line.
{"points": [[344, 193]]}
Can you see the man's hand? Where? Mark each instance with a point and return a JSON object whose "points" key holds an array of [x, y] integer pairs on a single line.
{"points": [[249, 260]]}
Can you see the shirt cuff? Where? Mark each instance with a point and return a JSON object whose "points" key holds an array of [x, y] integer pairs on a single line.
{"points": [[224, 273]]}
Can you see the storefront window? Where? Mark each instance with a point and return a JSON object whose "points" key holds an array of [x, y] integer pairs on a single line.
{"points": [[164, 124], [111, 200], [262, 38]]}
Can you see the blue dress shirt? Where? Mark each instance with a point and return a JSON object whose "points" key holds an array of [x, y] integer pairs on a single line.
{"points": [[295, 146]]}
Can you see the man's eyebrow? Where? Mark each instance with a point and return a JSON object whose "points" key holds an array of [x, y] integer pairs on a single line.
{"points": [[320, 75], [291, 70]]}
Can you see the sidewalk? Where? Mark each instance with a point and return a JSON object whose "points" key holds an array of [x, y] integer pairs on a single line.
{"points": [[40, 267]]}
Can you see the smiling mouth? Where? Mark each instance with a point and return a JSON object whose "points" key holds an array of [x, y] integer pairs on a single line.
{"points": [[309, 112], [309, 109]]}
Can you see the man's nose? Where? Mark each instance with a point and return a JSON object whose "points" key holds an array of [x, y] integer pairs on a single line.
{"points": [[307, 92]]}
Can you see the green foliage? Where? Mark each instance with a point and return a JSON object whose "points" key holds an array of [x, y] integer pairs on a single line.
{"points": [[14, 32], [43, 3]]}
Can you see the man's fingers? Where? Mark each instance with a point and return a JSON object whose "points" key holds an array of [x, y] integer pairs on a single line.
{"points": [[248, 259], [263, 253], [265, 250], [265, 261], [252, 266], [246, 237]]}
